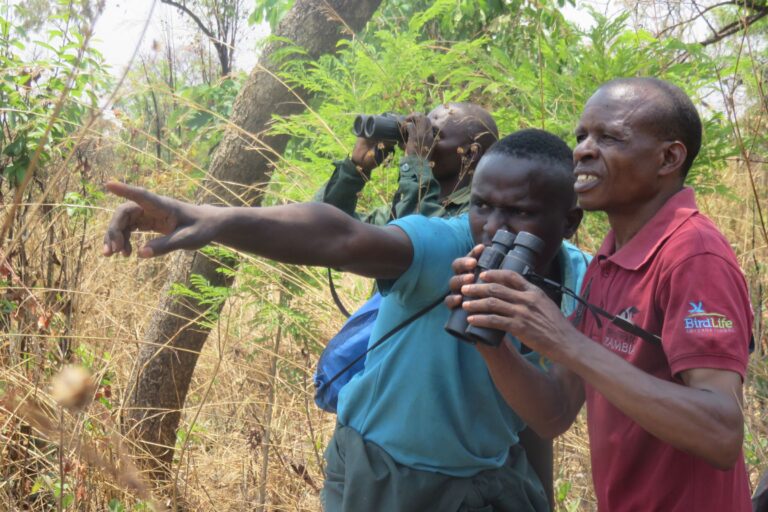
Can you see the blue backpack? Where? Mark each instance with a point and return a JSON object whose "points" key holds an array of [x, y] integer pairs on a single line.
{"points": [[348, 344]]}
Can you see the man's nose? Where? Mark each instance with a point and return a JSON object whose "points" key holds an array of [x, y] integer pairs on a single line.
{"points": [[496, 221], [584, 149]]}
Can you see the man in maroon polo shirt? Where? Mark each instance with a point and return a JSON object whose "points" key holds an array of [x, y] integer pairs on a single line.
{"points": [[665, 420]]}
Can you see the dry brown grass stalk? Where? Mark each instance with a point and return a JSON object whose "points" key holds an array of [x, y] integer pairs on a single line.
{"points": [[75, 389]]}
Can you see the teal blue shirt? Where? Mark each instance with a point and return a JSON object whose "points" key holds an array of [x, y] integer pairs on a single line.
{"points": [[424, 396]]}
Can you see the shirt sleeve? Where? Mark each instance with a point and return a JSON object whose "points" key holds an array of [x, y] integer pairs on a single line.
{"points": [[343, 187], [418, 190], [436, 243], [414, 191], [707, 315]]}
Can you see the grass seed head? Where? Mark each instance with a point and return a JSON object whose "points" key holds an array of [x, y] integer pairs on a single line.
{"points": [[73, 387]]}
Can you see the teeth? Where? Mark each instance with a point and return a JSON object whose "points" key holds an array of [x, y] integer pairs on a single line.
{"points": [[585, 178]]}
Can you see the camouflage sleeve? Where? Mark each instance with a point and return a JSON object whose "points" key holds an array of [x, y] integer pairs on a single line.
{"points": [[343, 187], [418, 190]]}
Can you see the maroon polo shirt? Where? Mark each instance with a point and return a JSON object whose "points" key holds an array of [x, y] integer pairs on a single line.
{"points": [[677, 278]]}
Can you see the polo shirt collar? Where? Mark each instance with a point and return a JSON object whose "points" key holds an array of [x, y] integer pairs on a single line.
{"points": [[678, 208]]}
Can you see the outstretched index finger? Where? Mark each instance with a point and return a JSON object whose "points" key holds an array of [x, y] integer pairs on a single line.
{"points": [[138, 195]]}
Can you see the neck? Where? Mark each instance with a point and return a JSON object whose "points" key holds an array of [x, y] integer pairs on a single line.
{"points": [[626, 224], [449, 186]]}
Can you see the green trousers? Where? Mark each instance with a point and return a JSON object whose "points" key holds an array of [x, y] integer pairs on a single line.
{"points": [[362, 477]]}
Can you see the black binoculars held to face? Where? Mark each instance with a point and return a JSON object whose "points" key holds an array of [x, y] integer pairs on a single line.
{"points": [[385, 127], [507, 252]]}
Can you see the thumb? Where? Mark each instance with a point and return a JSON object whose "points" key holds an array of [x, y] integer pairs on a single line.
{"points": [[184, 238], [155, 247]]}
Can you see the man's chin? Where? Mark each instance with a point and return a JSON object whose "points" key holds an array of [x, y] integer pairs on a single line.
{"points": [[588, 205]]}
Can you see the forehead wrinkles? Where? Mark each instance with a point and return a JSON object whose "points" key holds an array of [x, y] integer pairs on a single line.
{"points": [[629, 105], [614, 116], [502, 188]]}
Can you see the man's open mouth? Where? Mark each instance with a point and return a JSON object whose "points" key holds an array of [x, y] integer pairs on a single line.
{"points": [[585, 182]]}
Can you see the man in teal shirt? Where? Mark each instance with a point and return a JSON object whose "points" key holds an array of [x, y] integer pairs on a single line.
{"points": [[441, 153]]}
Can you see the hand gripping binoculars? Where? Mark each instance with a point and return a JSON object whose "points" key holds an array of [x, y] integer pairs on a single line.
{"points": [[506, 252]]}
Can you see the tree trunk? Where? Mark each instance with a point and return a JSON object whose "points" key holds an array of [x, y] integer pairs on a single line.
{"points": [[242, 162]]}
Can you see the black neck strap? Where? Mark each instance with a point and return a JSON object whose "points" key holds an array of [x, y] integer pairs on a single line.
{"points": [[619, 322]]}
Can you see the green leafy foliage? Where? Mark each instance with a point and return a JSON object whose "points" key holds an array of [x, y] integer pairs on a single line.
{"points": [[81, 203], [204, 293], [175, 126], [538, 75], [68, 68], [271, 11]]}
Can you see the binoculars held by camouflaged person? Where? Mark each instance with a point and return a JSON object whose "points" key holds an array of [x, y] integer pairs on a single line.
{"points": [[385, 127], [506, 252]]}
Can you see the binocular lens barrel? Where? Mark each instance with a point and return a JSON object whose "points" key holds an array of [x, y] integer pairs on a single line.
{"points": [[386, 128], [521, 259], [358, 127]]}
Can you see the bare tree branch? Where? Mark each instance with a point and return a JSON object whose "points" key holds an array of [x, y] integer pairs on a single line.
{"points": [[760, 9], [700, 14], [223, 50], [183, 8]]}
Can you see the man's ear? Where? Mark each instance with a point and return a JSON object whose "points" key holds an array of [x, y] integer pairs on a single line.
{"points": [[674, 154], [572, 221]]}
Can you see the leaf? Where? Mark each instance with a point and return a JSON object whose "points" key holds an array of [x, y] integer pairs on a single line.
{"points": [[115, 505], [16, 148], [15, 172]]}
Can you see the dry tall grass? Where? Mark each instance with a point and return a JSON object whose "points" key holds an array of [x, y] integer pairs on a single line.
{"points": [[250, 428]]}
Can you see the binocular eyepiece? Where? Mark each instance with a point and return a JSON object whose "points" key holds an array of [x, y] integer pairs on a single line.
{"points": [[507, 252]]}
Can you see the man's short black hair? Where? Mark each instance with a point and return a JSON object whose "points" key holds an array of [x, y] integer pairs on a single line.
{"points": [[535, 144], [673, 115]]}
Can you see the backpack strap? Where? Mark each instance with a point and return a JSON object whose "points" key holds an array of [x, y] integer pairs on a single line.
{"points": [[335, 295]]}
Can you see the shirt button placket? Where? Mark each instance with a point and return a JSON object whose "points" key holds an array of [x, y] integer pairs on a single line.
{"points": [[605, 273]]}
